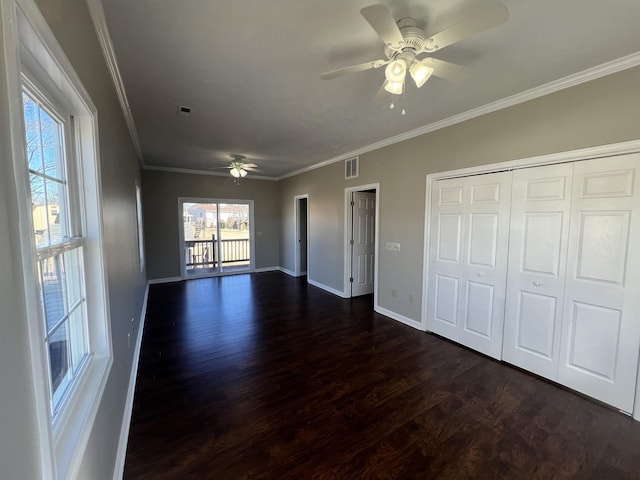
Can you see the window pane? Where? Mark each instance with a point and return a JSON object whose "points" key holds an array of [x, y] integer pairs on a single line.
{"points": [[73, 269], [50, 211], [39, 211], [140, 226], [45, 155], [200, 227], [51, 141], [56, 212], [234, 236], [32, 130], [77, 336], [52, 277], [58, 358]]}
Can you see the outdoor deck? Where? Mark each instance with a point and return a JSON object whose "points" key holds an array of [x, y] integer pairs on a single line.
{"points": [[202, 256]]}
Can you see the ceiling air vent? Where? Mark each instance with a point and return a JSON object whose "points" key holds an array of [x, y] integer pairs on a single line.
{"points": [[183, 111], [351, 167]]}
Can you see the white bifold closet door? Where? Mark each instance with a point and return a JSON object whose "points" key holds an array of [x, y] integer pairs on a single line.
{"points": [[468, 260], [539, 233], [601, 318], [573, 303]]}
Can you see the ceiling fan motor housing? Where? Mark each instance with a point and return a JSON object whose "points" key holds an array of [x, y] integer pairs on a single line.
{"points": [[414, 37]]}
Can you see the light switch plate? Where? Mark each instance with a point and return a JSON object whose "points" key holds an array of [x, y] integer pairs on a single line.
{"points": [[393, 246]]}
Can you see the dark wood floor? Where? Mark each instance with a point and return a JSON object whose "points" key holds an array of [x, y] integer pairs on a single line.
{"points": [[264, 377]]}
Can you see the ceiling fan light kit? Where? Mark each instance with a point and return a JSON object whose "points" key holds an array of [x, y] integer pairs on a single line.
{"points": [[420, 73], [404, 41], [238, 168], [396, 71], [394, 87], [238, 172]]}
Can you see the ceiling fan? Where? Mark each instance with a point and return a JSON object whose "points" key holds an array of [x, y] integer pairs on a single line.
{"points": [[405, 42], [238, 168]]}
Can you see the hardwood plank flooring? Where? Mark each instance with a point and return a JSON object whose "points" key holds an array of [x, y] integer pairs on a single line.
{"points": [[262, 376]]}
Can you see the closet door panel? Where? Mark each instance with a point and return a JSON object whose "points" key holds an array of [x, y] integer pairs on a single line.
{"points": [[540, 210], [446, 301], [536, 324], [445, 256], [485, 262], [601, 331], [467, 260], [478, 312]]}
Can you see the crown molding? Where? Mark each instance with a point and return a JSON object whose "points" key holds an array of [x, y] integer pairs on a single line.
{"points": [[104, 38], [594, 73], [206, 172]]}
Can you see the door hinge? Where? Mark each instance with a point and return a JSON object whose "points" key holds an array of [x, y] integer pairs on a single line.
{"points": [[352, 203], [351, 279], [351, 241]]}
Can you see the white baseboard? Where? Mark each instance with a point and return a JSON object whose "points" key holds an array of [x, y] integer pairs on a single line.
{"points": [[326, 288], [288, 272], [165, 280], [128, 408], [400, 318], [266, 269]]}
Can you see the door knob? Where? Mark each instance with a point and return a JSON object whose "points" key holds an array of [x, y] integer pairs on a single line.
{"points": [[480, 274], [536, 283]]}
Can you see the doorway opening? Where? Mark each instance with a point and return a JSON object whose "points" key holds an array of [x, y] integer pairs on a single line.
{"points": [[302, 235], [216, 236], [361, 241]]}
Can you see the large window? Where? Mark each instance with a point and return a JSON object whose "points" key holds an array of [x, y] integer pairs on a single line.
{"points": [[57, 174], [59, 241]]}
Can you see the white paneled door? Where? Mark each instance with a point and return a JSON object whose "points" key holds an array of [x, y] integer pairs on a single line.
{"points": [[468, 260], [539, 232], [541, 267], [363, 243], [601, 317]]}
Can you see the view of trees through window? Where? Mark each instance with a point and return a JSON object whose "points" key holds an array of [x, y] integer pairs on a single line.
{"points": [[59, 247], [216, 237]]}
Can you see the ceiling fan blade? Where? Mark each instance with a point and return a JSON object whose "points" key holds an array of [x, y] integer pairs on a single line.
{"points": [[353, 68], [448, 71], [382, 93], [250, 165], [381, 20], [484, 17]]}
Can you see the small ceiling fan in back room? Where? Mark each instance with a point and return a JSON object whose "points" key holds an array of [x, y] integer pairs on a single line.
{"points": [[238, 168], [405, 45]]}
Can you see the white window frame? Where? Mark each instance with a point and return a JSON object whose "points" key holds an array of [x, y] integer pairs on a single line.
{"points": [[74, 199], [140, 226], [32, 49]]}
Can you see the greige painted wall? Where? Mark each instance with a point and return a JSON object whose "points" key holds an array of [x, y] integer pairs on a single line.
{"points": [[602, 111], [161, 191], [18, 429], [72, 26]]}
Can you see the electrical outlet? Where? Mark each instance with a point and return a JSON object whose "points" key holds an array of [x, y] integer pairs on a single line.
{"points": [[394, 293]]}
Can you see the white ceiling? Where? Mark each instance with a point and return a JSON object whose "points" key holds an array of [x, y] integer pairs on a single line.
{"points": [[250, 71]]}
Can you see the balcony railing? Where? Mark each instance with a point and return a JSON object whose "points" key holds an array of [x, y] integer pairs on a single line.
{"points": [[204, 253]]}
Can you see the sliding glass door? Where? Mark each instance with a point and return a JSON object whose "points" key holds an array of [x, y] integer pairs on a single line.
{"points": [[216, 236]]}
